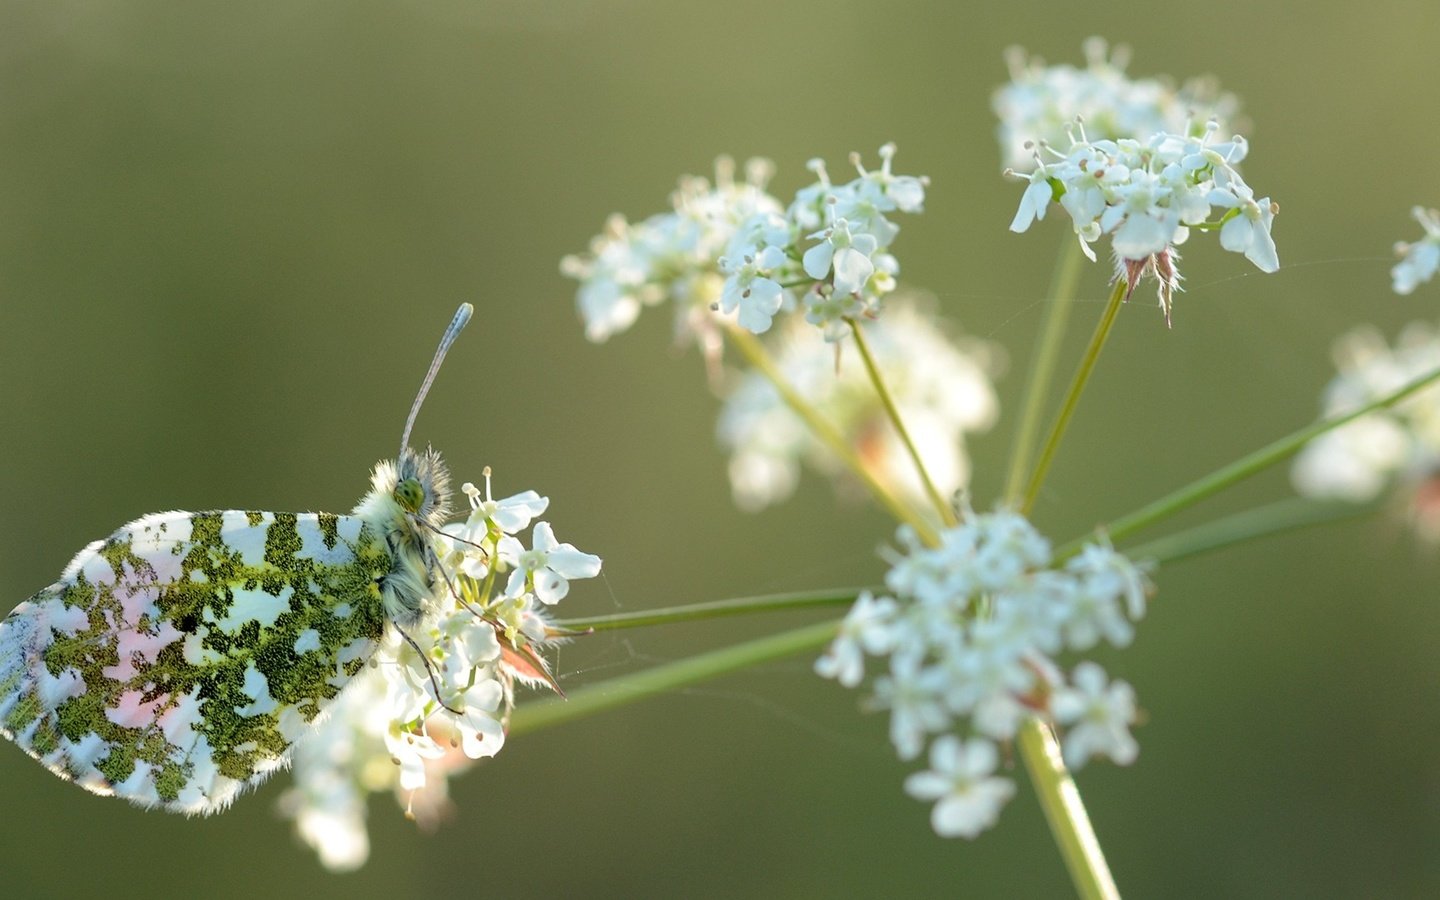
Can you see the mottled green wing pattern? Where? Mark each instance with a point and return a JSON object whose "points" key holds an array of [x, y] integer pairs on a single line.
{"points": [[178, 661]]}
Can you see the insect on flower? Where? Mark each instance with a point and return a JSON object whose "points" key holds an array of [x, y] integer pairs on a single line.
{"points": [[179, 660]]}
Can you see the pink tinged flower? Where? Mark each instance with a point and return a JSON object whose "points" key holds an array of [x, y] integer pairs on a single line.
{"points": [[968, 799]]}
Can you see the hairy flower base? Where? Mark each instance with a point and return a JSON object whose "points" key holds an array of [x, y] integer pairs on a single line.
{"points": [[435, 699], [968, 636]]}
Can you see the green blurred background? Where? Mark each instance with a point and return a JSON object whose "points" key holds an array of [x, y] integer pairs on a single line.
{"points": [[230, 234]]}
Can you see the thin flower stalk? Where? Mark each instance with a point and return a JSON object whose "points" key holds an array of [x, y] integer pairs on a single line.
{"points": [[1251, 464], [938, 380], [1072, 397], [1290, 514], [944, 508], [754, 353], [626, 689], [1042, 370], [717, 609]]}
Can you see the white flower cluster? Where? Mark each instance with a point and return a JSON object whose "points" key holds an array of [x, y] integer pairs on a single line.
{"points": [[1147, 195], [940, 384], [1363, 458], [735, 249], [1418, 261], [1041, 103], [387, 731], [968, 633]]}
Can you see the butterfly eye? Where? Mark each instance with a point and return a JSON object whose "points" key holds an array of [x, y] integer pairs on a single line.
{"points": [[409, 494]]}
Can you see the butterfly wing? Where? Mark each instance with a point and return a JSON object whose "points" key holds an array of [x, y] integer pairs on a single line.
{"points": [[178, 661]]}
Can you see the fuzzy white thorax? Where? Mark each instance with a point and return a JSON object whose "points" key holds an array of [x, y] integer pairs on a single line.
{"points": [[408, 592]]}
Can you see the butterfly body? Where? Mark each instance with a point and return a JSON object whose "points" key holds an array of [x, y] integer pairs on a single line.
{"points": [[409, 501]]}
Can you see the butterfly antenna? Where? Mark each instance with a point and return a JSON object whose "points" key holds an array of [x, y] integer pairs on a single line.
{"points": [[462, 315]]}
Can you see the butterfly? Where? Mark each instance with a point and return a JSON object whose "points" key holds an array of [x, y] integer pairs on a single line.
{"points": [[179, 660]]}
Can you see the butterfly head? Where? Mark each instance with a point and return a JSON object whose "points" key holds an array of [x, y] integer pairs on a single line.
{"points": [[421, 486]]}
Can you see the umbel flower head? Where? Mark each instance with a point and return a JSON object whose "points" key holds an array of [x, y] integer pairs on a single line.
{"points": [[735, 250], [941, 384], [1146, 196], [1398, 447], [965, 641], [1418, 260], [388, 731], [1040, 103]]}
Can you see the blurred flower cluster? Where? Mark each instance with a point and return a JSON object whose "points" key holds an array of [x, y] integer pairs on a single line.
{"points": [[940, 383], [1391, 449], [734, 249], [966, 638], [421, 712], [1384, 449], [1040, 103]]}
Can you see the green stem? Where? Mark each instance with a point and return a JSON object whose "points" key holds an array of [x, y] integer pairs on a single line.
{"points": [[1274, 518], [1068, 820], [716, 609], [1243, 468], [947, 513], [1072, 398], [754, 352], [1042, 367], [615, 692]]}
